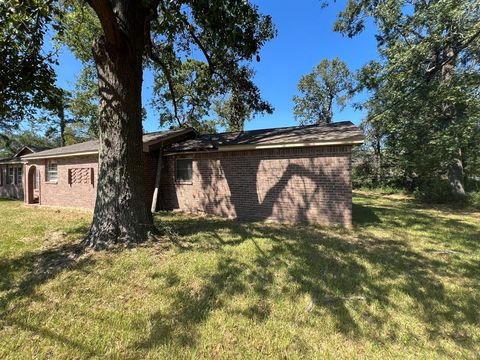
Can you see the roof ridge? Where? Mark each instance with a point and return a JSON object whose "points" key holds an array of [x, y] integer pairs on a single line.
{"points": [[279, 128], [168, 130]]}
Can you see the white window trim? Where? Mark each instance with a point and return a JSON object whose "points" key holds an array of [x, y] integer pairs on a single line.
{"points": [[48, 172]]}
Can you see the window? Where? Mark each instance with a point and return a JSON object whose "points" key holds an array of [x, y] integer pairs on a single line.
{"points": [[19, 176], [183, 170], [1, 176], [52, 171], [11, 175]]}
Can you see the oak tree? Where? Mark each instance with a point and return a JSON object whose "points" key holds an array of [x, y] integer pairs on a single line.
{"points": [[424, 103], [130, 35], [328, 84]]}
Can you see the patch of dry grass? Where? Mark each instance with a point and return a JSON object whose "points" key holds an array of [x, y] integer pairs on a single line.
{"points": [[402, 283]]}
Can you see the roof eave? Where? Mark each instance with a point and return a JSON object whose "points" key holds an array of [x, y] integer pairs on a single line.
{"points": [[244, 147], [13, 162], [54, 156], [147, 146]]}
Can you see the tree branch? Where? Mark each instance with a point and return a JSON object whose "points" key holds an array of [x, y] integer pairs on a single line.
{"points": [[108, 20], [456, 51], [156, 59], [194, 37], [197, 41]]}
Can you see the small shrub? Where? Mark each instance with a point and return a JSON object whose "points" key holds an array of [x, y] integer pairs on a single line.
{"points": [[433, 192], [439, 192], [383, 190], [473, 199]]}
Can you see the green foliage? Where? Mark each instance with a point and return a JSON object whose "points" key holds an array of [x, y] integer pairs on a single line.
{"points": [[364, 169], [84, 102], [199, 52], [192, 90], [189, 87], [11, 143], [26, 72], [473, 198], [330, 82], [424, 108], [28, 93], [243, 102]]}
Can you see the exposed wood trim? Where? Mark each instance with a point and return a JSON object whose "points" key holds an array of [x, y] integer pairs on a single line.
{"points": [[222, 148], [287, 145], [157, 181], [147, 145], [271, 146], [146, 148]]}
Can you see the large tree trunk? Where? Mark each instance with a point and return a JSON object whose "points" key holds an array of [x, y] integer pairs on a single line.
{"points": [[456, 177], [121, 215], [455, 168]]}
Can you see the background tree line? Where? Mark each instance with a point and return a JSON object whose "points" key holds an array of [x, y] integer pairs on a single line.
{"points": [[423, 96]]}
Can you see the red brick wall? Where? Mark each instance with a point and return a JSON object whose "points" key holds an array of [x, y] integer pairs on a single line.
{"points": [[293, 185], [61, 193]]}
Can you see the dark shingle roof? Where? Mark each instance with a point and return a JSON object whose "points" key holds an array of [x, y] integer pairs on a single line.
{"points": [[85, 147], [93, 145], [36, 149], [340, 131], [17, 158], [10, 160]]}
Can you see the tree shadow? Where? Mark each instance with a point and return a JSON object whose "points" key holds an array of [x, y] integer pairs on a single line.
{"points": [[345, 274], [287, 187], [192, 305], [36, 268], [21, 276], [363, 215]]}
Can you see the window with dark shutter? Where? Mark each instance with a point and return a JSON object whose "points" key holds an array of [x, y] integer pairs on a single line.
{"points": [[183, 172], [19, 176]]}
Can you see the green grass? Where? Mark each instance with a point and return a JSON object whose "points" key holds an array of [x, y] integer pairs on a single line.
{"points": [[403, 283]]}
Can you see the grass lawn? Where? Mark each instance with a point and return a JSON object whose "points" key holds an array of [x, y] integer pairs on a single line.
{"points": [[403, 283]]}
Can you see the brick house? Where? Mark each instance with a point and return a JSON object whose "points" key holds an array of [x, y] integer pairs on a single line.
{"points": [[11, 173], [294, 174]]}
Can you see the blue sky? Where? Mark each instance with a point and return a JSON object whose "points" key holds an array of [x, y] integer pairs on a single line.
{"points": [[305, 37]]}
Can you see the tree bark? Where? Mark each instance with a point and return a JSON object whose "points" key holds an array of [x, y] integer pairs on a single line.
{"points": [[121, 215], [456, 177], [455, 168]]}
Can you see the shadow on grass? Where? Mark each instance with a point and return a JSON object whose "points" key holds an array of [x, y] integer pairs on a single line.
{"points": [[353, 276], [362, 215], [21, 276]]}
